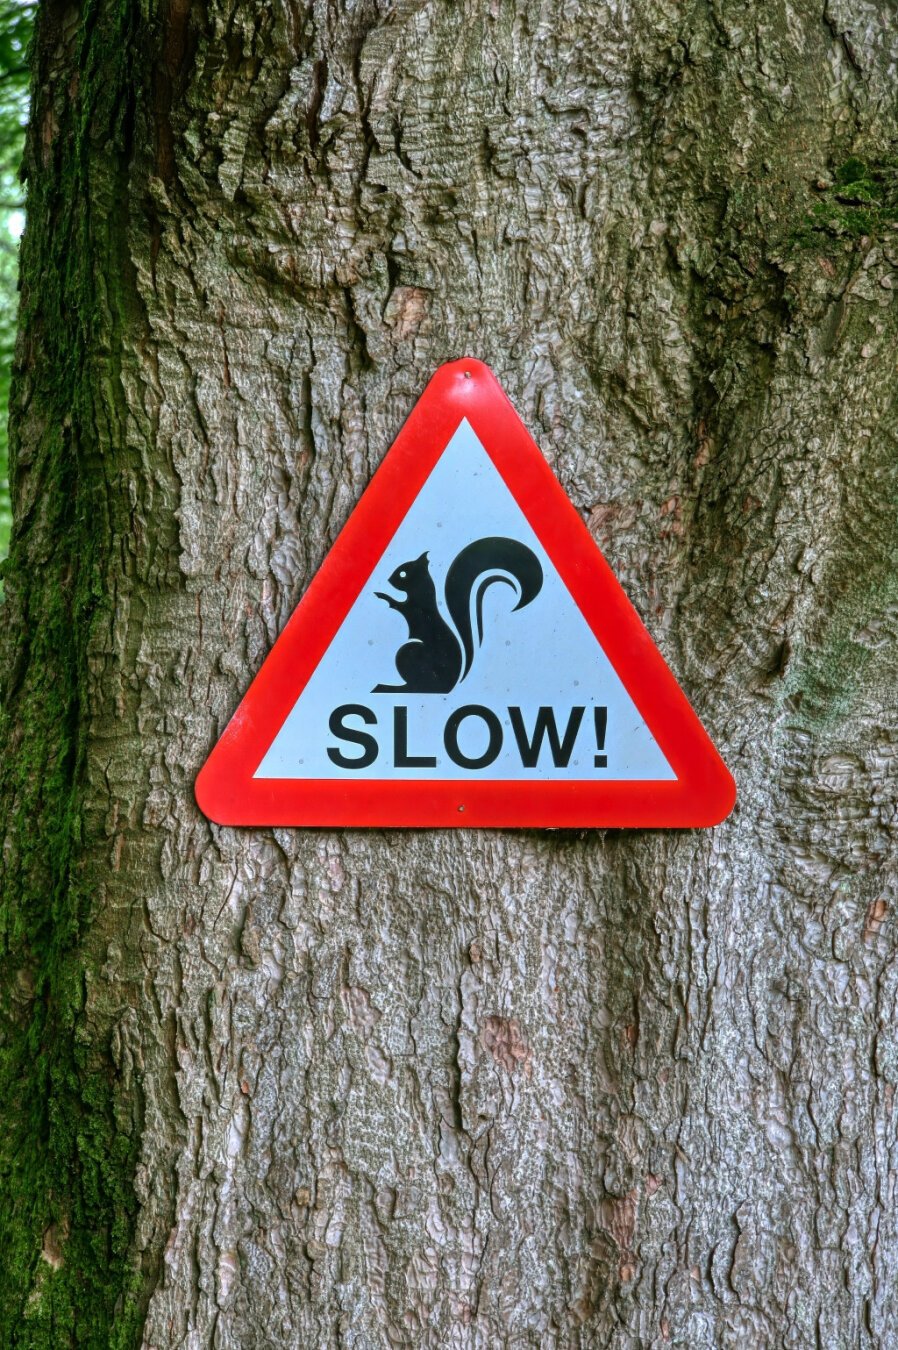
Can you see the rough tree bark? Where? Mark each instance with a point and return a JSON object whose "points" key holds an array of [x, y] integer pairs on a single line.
{"points": [[287, 1088]]}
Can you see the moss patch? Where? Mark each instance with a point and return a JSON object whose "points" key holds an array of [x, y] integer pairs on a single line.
{"points": [[67, 1154], [861, 200]]}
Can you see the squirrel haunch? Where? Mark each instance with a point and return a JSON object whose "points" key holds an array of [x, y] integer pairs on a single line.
{"points": [[435, 659]]}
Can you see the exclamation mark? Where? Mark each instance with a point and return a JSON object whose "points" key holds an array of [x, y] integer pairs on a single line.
{"points": [[601, 716]]}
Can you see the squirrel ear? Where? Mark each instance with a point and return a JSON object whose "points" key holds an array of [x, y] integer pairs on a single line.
{"points": [[423, 557]]}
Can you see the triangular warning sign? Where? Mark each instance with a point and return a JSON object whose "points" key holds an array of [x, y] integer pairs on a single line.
{"points": [[465, 656]]}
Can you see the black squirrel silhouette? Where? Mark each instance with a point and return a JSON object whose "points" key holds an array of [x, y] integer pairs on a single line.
{"points": [[435, 659]]}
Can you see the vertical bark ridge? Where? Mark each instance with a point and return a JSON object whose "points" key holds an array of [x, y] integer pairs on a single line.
{"points": [[71, 1118]]}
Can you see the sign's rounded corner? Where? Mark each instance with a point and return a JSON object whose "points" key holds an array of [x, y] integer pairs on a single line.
{"points": [[207, 798], [725, 800], [468, 367]]}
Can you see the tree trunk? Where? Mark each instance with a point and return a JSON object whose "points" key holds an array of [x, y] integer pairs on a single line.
{"points": [[274, 1088]]}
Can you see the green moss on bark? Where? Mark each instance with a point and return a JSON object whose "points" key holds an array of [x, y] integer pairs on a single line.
{"points": [[67, 1157], [861, 200]]}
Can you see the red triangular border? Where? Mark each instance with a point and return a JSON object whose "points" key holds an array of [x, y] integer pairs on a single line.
{"points": [[704, 790]]}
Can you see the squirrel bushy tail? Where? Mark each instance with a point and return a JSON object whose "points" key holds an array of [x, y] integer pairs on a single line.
{"points": [[476, 568]]}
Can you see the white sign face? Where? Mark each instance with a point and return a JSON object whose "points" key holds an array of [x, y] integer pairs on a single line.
{"points": [[464, 657]]}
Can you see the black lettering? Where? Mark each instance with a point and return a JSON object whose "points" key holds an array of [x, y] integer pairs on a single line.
{"points": [[339, 728], [545, 726], [450, 736], [401, 757], [601, 720]]}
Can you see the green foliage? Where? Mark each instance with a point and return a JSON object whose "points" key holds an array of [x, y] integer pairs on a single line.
{"points": [[16, 24]]}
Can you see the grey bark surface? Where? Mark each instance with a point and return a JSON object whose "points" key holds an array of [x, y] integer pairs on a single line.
{"points": [[500, 1088]]}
